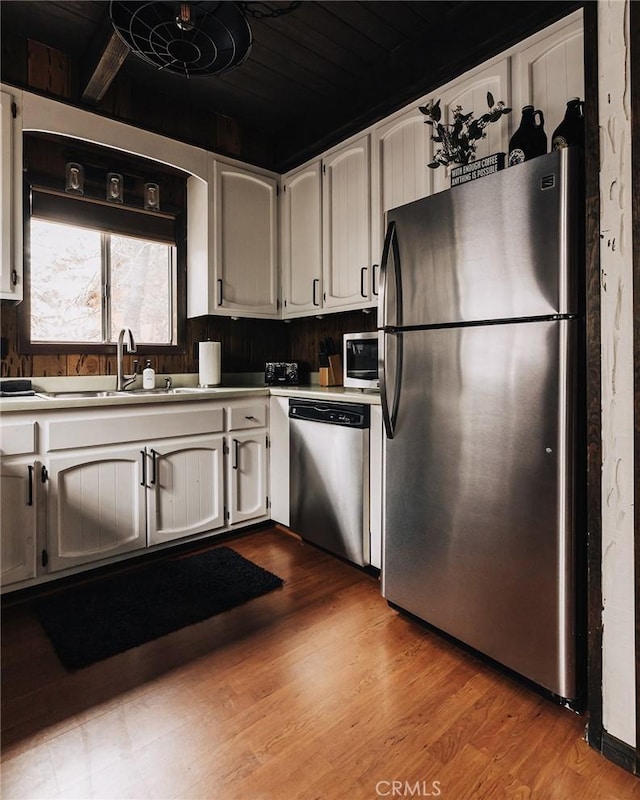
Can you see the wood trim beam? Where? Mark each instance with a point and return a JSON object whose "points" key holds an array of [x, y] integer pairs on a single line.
{"points": [[593, 381], [634, 38], [101, 70]]}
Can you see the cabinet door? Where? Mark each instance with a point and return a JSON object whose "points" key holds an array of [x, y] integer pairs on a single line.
{"points": [[399, 171], [347, 226], [10, 199], [246, 263], [376, 435], [471, 93], [302, 241], [548, 73], [18, 514], [96, 505], [247, 476], [186, 487], [279, 459]]}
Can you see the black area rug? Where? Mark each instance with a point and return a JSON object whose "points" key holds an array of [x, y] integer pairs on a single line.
{"points": [[97, 620]]}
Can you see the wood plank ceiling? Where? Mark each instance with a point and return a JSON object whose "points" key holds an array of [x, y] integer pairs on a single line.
{"points": [[313, 76]]}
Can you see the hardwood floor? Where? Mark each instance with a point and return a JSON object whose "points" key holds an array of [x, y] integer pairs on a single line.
{"points": [[317, 690]]}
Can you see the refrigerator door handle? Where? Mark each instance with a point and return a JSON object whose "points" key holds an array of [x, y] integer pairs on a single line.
{"points": [[389, 409], [390, 252]]}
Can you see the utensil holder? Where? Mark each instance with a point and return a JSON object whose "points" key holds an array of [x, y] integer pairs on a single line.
{"points": [[332, 375]]}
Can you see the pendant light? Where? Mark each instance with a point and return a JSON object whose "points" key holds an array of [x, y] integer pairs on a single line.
{"points": [[190, 38]]}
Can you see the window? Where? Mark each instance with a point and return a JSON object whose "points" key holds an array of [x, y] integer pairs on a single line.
{"points": [[93, 267], [86, 284]]}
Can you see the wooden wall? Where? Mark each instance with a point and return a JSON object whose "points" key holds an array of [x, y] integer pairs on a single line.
{"points": [[246, 344], [32, 65]]}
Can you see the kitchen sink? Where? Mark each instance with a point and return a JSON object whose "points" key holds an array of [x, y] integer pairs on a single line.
{"points": [[177, 390], [79, 395]]}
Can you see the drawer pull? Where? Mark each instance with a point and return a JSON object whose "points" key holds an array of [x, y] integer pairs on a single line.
{"points": [[363, 272], [154, 466], [143, 455], [250, 417], [30, 490]]}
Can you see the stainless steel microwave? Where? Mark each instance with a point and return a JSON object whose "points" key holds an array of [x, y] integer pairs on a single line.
{"points": [[360, 360]]}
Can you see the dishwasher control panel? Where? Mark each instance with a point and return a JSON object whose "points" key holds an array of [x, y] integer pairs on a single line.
{"points": [[351, 415]]}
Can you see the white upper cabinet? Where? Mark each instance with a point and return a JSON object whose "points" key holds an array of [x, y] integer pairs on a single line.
{"points": [[302, 241], [232, 267], [549, 72], [11, 284], [470, 92], [401, 150], [346, 200], [246, 252]]}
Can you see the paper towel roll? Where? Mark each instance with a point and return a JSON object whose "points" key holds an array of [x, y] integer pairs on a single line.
{"points": [[209, 363]]}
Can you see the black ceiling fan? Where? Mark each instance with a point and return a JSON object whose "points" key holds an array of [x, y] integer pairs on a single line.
{"points": [[191, 38]]}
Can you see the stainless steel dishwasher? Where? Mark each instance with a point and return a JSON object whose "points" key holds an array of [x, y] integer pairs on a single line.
{"points": [[329, 476]]}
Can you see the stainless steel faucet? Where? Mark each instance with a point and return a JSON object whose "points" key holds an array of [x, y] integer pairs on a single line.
{"points": [[125, 338]]}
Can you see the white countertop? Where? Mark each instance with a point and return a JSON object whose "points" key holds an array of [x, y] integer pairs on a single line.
{"points": [[314, 392], [38, 402]]}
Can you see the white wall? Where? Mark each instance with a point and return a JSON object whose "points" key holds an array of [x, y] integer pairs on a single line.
{"points": [[616, 286]]}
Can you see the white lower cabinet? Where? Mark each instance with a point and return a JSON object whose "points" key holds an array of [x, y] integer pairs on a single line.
{"points": [[85, 486], [112, 500], [376, 436], [96, 505], [247, 475], [185, 483], [279, 459], [19, 494]]}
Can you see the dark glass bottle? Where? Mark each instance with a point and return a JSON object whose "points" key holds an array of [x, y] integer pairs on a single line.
{"points": [[570, 131], [529, 140]]}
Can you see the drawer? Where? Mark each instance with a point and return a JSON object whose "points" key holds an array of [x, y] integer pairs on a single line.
{"points": [[18, 438], [72, 431], [249, 415]]}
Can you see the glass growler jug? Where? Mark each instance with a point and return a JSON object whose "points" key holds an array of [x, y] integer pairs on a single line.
{"points": [[571, 130], [529, 140]]}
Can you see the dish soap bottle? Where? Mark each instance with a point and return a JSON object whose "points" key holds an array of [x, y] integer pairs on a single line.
{"points": [[571, 130], [148, 376], [529, 140]]}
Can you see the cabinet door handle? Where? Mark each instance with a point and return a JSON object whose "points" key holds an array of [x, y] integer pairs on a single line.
{"points": [[219, 291], [362, 274], [236, 444], [154, 466], [143, 455], [374, 291], [316, 284], [30, 486]]}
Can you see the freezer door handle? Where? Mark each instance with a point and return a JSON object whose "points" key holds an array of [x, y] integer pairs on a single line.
{"points": [[390, 373], [390, 270]]}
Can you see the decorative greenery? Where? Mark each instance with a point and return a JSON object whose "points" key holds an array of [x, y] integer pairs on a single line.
{"points": [[458, 140]]}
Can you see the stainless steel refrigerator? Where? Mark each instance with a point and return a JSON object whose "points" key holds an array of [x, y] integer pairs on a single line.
{"points": [[479, 328]]}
